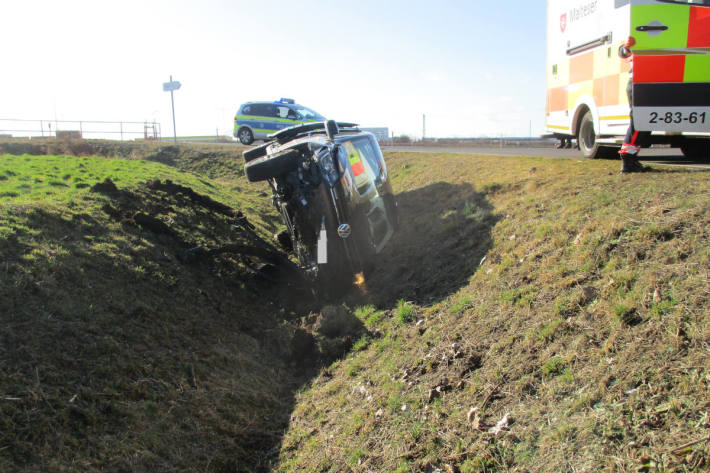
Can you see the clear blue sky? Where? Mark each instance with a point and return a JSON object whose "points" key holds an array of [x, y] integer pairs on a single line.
{"points": [[474, 68]]}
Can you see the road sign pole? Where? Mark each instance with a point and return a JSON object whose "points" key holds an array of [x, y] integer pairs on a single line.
{"points": [[171, 87], [172, 102]]}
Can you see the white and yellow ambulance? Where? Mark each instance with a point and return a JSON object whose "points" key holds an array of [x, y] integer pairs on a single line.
{"points": [[587, 80]]}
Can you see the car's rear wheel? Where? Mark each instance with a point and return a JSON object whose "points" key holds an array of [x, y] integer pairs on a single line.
{"points": [[272, 166], [246, 137], [696, 149]]}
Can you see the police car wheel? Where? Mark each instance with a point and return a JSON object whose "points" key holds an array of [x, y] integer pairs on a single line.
{"points": [[246, 137]]}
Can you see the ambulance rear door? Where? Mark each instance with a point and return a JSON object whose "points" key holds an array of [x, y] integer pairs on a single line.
{"points": [[671, 65]]}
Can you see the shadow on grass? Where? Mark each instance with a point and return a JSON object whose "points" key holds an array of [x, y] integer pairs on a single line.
{"points": [[445, 230]]}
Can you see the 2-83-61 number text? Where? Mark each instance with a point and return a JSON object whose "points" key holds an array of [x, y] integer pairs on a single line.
{"points": [[677, 117]]}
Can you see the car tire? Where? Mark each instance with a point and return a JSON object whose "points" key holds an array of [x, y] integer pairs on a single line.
{"points": [[245, 135], [696, 150], [587, 139], [273, 166]]}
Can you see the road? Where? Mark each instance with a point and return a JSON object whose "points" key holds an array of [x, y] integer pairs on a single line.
{"points": [[660, 156]]}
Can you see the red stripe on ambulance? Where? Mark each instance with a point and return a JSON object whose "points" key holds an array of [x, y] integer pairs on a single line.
{"points": [[659, 69]]}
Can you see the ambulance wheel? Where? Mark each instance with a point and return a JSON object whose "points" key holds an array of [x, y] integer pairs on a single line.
{"points": [[246, 137], [587, 138], [269, 167], [697, 150]]}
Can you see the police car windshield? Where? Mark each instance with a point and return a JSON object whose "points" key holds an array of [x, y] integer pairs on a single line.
{"points": [[309, 114]]}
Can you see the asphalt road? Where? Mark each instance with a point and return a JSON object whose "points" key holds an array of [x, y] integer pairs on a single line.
{"points": [[660, 156]]}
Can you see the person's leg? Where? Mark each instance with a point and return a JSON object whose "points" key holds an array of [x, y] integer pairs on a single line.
{"points": [[633, 140]]}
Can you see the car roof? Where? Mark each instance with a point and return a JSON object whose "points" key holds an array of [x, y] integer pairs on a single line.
{"points": [[270, 102]]}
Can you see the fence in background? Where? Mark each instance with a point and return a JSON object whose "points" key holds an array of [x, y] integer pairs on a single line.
{"points": [[71, 129]]}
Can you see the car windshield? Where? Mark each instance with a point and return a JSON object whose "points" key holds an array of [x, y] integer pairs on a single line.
{"points": [[309, 114]]}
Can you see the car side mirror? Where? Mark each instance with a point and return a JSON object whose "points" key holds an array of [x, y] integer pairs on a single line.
{"points": [[331, 129]]}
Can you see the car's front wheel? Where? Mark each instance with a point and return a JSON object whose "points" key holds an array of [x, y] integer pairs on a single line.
{"points": [[246, 137]]}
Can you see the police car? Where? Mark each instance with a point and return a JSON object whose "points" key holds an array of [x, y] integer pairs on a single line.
{"points": [[257, 120]]}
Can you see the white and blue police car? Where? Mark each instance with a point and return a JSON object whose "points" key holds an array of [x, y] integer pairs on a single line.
{"points": [[257, 120]]}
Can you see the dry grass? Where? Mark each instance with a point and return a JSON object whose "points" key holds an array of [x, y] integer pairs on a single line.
{"points": [[586, 322], [556, 292], [116, 352]]}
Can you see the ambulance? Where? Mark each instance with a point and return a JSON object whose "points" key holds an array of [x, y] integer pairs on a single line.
{"points": [[587, 79]]}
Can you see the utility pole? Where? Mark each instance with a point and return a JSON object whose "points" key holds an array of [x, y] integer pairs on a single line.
{"points": [[423, 126], [170, 87]]}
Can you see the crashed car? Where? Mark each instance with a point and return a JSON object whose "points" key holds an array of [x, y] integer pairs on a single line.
{"points": [[330, 184]]}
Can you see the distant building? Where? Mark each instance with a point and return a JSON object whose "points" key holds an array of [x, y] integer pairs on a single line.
{"points": [[381, 133]]}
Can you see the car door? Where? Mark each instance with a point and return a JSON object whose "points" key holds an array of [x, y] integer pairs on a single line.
{"points": [[671, 65]]}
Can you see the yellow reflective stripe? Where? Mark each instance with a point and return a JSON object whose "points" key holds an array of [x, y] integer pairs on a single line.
{"points": [[558, 127], [697, 68], [615, 117]]}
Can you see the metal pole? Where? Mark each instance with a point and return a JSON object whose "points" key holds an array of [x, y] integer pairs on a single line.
{"points": [[172, 101], [41, 128], [121, 131]]}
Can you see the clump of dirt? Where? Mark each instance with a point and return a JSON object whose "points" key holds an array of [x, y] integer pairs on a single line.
{"points": [[171, 188], [327, 335], [105, 187]]}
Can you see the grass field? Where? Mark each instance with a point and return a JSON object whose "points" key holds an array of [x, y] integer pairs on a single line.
{"points": [[530, 315]]}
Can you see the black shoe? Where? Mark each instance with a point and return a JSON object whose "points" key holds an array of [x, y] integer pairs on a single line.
{"points": [[632, 164]]}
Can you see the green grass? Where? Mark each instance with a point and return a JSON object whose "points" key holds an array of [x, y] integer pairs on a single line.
{"points": [[116, 352], [405, 312], [590, 301], [586, 322]]}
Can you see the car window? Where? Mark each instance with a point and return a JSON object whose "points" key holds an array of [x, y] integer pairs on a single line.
{"points": [[258, 109], [264, 110], [270, 110], [286, 112], [308, 114], [365, 161], [246, 109]]}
